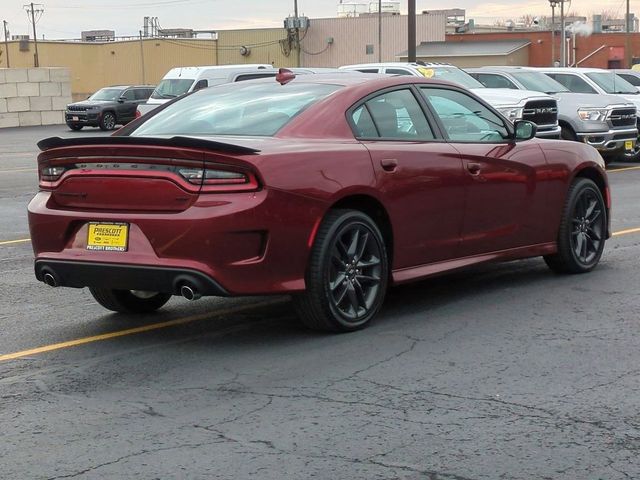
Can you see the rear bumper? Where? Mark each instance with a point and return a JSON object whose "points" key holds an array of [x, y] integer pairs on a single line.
{"points": [[126, 277]]}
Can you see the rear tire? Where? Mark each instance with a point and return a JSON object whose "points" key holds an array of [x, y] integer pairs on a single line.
{"points": [[347, 275], [583, 230], [129, 301]]}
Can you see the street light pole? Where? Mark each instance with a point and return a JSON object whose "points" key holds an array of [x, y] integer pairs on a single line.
{"points": [[563, 43], [627, 42], [295, 9], [553, 4], [411, 38]]}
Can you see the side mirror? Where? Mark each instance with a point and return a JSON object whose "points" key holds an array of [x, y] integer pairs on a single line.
{"points": [[525, 130], [121, 100]]}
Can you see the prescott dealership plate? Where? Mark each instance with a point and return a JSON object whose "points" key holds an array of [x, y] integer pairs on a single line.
{"points": [[108, 236], [628, 145]]}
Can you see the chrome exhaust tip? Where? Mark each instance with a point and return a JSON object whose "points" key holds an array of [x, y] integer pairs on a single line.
{"points": [[50, 280], [189, 293]]}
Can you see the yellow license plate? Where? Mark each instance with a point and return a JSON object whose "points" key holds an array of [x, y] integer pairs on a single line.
{"points": [[628, 145], [112, 237]]}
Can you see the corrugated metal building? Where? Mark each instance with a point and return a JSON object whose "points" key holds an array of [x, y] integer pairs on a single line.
{"points": [[474, 54], [332, 42]]}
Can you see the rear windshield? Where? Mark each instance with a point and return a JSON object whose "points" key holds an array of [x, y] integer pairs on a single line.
{"points": [[451, 74], [612, 83], [172, 87], [245, 108]]}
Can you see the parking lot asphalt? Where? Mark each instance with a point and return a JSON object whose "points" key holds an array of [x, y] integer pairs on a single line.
{"points": [[505, 371]]}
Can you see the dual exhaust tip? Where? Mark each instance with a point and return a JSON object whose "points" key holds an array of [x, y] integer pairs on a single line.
{"points": [[187, 291]]}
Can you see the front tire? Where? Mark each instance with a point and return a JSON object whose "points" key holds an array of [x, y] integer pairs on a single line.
{"points": [[347, 275], [107, 121], [75, 128], [583, 230], [129, 301]]}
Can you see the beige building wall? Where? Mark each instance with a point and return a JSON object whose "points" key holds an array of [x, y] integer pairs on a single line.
{"points": [[96, 65], [350, 37], [266, 45]]}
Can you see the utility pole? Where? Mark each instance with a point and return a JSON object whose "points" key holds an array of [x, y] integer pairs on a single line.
{"points": [[31, 12], [563, 41], [554, 4], [6, 42], [411, 30], [627, 38], [380, 31], [144, 75], [297, 24]]}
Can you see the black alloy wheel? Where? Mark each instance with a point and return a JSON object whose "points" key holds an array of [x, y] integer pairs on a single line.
{"points": [[108, 121], [583, 230], [347, 274]]}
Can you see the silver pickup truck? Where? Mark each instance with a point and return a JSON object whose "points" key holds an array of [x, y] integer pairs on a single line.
{"points": [[607, 122]]}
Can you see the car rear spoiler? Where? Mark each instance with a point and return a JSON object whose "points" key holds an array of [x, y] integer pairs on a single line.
{"points": [[186, 142]]}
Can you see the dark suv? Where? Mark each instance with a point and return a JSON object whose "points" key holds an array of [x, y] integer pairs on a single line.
{"points": [[108, 107]]}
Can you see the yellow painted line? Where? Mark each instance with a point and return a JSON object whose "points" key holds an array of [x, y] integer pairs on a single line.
{"points": [[12, 170], [626, 232], [9, 242], [133, 331], [623, 169]]}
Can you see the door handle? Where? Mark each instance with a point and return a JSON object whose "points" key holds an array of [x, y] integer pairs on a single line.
{"points": [[474, 168], [389, 164]]}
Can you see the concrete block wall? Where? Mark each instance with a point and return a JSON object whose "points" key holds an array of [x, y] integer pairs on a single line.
{"points": [[33, 96]]}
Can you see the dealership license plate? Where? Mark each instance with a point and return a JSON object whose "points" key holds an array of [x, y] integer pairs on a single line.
{"points": [[628, 145], [112, 237], [75, 119]]}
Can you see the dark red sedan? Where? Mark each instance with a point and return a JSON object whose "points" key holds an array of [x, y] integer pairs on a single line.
{"points": [[328, 187]]}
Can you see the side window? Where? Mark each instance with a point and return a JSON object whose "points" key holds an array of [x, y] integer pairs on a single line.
{"points": [[129, 95], [572, 82], [632, 79], [392, 115], [368, 70], [141, 93], [204, 83], [491, 80], [251, 76], [397, 71], [464, 118]]}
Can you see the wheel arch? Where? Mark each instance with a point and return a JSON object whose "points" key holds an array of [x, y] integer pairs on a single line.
{"points": [[593, 174], [374, 209]]}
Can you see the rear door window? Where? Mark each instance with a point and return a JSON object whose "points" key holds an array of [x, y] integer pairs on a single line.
{"points": [[492, 80], [397, 71], [253, 76], [394, 115]]}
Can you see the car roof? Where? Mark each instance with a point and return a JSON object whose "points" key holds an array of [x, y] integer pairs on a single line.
{"points": [[572, 69], [397, 64], [131, 86]]}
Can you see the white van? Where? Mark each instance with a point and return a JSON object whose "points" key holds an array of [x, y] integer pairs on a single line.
{"points": [[181, 80]]}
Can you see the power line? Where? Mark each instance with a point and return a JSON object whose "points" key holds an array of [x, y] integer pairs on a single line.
{"points": [[32, 11]]}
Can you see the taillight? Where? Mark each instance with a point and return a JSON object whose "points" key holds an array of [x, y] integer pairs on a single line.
{"points": [[138, 113], [51, 174], [218, 180]]}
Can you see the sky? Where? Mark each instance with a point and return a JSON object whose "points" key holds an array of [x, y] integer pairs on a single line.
{"points": [[66, 18]]}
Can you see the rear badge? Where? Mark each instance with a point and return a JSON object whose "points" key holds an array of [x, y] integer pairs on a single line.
{"points": [[108, 237]]}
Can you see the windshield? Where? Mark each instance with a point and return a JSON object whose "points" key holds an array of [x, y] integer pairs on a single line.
{"points": [[172, 87], [107, 94], [612, 83], [451, 74], [236, 109], [539, 82]]}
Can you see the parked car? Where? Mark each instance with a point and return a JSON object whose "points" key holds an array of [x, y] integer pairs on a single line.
{"points": [[107, 107], [181, 80], [631, 76], [528, 105], [592, 119], [326, 187]]}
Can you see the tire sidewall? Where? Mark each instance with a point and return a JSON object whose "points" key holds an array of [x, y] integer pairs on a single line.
{"points": [[351, 218], [583, 186]]}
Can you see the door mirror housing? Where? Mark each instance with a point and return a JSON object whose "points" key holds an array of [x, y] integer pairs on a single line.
{"points": [[524, 130], [122, 100]]}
